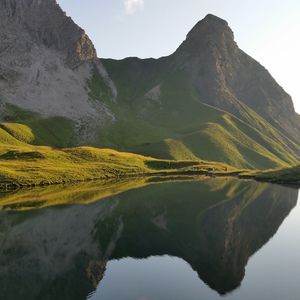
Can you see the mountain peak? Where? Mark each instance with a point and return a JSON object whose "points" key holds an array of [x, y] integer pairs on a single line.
{"points": [[211, 26], [210, 32], [215, 19]]}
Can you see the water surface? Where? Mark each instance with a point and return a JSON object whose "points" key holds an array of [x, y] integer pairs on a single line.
{"points": [[208, 239]]}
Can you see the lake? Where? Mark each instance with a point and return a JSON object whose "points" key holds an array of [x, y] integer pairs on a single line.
{"points": [[150, 240]]}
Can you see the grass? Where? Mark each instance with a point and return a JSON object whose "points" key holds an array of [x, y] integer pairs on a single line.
{"points": [[21, 132], [289, 176], [98, 88], [23, 164], [38, 130], [181, 126], [178, 126]]}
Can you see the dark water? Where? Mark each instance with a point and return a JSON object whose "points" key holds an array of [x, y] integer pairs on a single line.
{"points": [[216, 239]]}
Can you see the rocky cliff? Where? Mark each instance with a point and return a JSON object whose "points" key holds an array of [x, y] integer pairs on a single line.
{"points": [[46, 60], [47, 25]]}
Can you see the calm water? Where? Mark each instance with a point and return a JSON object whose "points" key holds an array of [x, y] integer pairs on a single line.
{"points": [[216, 239]]}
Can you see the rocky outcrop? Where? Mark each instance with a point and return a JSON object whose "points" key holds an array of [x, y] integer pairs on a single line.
{"points": [[48, 25], [46, 61]]}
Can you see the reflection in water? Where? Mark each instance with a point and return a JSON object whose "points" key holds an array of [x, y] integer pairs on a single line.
{"points": [[62, 252], [81, 193]]}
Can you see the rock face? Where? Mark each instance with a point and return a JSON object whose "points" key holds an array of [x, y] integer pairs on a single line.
{"points": [[46, 60], [47, 25], [227, 78]]}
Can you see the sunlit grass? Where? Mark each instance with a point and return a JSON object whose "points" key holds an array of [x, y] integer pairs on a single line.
{"points": [[25, 164], [278, 175]]}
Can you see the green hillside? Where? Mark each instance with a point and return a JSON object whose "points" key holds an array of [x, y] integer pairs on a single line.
{"points": [[160, 114], [173, 122], [207, 101], [23, 164], [289, 176], [51, 131]]}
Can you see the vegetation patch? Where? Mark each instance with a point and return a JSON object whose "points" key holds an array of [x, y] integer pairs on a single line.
{"points": [[17, 155], [21, 132], [30, 127], [23, 164], [289, 176], [179, 125], [169, 165], [98, 88]]}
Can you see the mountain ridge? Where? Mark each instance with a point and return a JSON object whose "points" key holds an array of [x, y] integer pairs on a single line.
{"points": [[207, 100], [239, 77], [46, 60]]}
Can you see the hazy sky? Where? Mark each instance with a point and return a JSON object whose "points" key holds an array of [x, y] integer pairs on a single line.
{"points": [[268, 30]]}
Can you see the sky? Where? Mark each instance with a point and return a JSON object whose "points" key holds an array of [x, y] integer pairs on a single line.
{"points": [[268, 30]]}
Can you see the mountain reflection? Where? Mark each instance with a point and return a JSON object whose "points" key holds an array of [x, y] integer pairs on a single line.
{"points": [[215, 225]]}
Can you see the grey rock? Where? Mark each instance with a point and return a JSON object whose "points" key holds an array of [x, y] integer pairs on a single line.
{"points": [[46, 61]]}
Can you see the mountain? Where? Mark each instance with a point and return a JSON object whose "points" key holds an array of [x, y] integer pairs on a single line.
{"points": [[45, 62], [211, 58], [208, 100]]}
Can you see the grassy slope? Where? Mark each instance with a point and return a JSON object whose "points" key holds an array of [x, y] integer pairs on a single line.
{"points": [[280, 175], [180, 126], [54, 131], [176, 126], [27, 164]]}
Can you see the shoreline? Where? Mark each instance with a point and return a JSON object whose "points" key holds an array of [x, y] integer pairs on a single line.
{"points": [[10, 186], [7, 186]]}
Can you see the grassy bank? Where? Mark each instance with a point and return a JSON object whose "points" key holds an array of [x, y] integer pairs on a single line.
{"points": [[23, 164], [289, 176]]}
